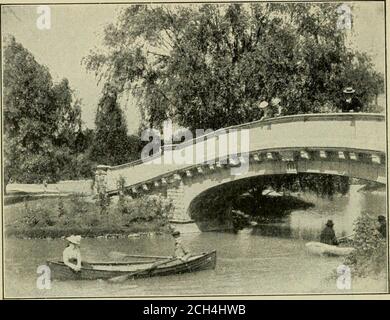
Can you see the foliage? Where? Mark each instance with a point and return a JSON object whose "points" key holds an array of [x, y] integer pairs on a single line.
{"points": [[370, 254], [42, 120], [62, 216], [147, 208], [111, 144], [208, 66]]}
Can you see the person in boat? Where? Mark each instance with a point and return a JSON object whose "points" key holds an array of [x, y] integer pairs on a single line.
{"points": [[382, 226], [350, 102], [180, 251], [72, 255], [328, 235]]}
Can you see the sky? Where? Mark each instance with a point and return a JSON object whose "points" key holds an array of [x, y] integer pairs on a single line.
{"points": [[76, 29]]}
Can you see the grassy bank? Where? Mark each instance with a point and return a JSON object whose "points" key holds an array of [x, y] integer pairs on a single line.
{"points": [[55, 218]]}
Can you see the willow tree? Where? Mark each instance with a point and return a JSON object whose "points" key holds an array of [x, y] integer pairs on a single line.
{"points": [[208, 66]]}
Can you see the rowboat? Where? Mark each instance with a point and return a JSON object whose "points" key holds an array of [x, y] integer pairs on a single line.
{"points": [[108, 270], [319, 248]]}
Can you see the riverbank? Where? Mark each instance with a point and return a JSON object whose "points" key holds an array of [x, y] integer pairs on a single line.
{"points": [[60, 217]]}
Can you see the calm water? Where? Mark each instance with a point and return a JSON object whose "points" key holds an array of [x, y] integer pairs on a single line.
{"points": [[263, 260]]}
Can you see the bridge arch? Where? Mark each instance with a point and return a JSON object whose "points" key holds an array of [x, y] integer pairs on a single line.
{"points": [[347, 144]]}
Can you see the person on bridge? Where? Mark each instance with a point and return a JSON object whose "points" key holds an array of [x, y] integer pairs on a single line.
{"points": [[265, 109], [277, 108], [180, 251], [71, 255], [350, 102], [328, 235]]}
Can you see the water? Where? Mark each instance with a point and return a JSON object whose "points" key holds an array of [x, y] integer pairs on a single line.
{"points": [[262, 260]]}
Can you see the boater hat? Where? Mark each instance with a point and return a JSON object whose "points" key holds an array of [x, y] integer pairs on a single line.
{"points": [[349, 90], [74, 239], [263, 104], [329, 223], [381, 218], [175, 233]]}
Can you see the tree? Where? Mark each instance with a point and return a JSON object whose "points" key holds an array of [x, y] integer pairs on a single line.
{"points": [[41, 119], [208, 66], [112, 145]]}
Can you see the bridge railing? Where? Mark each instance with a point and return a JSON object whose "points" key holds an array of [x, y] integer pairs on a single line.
{"points": [[353, 131]]}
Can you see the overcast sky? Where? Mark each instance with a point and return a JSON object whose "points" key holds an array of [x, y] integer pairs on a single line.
{"points": [[76, 29]]}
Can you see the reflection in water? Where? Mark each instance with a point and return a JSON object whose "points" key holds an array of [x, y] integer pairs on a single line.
{"points": [[343, 210]]}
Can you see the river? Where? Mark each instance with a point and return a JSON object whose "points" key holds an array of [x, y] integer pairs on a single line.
{"points": [[263, 260]]}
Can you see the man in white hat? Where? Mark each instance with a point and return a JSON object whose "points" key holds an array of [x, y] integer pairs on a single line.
{"points": [[350, 103], [265, 109], [72, 255]]}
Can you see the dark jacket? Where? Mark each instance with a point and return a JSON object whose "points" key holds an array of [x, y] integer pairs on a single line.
{"points": [[328, 236], [355, 105], [382, 230]]}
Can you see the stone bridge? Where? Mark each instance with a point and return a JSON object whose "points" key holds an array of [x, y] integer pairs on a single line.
{"points": [[346, 144]]}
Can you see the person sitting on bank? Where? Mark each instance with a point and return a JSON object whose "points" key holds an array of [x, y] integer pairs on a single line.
{"points": [[328, 235], [350, 102], [382, 226], [180, 251], [72, 255]]}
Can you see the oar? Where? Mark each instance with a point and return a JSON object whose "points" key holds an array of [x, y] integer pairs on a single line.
{"points": [[346, 237], [130, 275], [122, 255]]}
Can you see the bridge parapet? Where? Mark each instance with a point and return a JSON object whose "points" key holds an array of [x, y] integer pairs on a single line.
{"points": [[341, 136]]}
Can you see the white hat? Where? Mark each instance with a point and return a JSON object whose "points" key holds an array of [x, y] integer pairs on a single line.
{"points": [[275, 101], [263, 105], [74, 239], [349, 90]]}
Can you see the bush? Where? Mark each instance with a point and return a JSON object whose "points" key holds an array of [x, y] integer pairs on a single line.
{"points": [[147, 208], [62, 216], [37, 216], [369, 256]]}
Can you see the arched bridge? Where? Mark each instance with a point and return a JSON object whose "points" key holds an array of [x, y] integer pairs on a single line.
{"points": [[347, 144]]}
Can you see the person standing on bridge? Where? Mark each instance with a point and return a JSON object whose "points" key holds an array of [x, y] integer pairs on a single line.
{"points": [[277, 108], [350, 102], [265, 109], [328, 235]]}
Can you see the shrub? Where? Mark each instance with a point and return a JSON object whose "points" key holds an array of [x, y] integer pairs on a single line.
{"points": [[369, 256], [37, 215], [145, 209], [57, 217]]}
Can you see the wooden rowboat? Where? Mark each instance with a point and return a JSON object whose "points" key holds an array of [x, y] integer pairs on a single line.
{"points": [[108, 270], [319, 248]]}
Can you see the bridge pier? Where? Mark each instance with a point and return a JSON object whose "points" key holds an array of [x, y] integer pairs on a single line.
{"points": [[177, 194], [100, 185]]}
